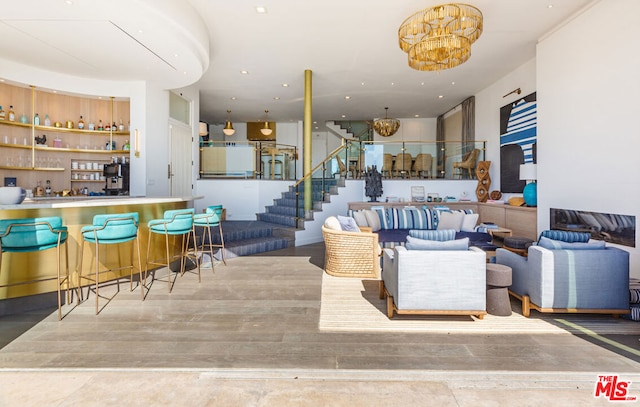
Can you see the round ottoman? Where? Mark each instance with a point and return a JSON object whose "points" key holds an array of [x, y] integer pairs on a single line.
{"points": [[498, 281], [518, 245]]}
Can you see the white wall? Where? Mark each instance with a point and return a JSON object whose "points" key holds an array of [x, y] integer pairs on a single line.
{"points": [[241, 199], [588, 106]]}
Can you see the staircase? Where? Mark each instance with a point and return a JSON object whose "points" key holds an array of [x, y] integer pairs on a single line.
{"points": [[273, 229], [285, 210]]}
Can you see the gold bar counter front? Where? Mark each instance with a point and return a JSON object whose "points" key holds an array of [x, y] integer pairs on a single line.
{"points": [[19, 267]]}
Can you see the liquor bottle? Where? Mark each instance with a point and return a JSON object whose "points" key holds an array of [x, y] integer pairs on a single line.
{"points": [[36, 120], [127, 146], [12, 115], [113, 127], [2, 116], [47, 121], [107, 127], [120, 127], [81, 123], [47, 189], [100, 125]]}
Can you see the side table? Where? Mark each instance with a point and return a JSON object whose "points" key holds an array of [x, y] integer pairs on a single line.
{"points": [[500, 233], [498, 282]]}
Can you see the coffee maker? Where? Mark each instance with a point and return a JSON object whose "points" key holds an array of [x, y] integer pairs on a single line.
{"points": [[117, 177]]}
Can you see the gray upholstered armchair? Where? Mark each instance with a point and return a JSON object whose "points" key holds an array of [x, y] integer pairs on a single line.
{"points": [[441, 282], [566, 280]]}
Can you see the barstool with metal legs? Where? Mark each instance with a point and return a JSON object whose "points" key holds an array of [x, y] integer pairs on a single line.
{"points": [[111, 230], [34, 235], [177, 222], [211, 218]]}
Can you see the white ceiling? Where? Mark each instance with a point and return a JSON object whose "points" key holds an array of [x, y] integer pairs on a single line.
{"points": [[350, 46]]}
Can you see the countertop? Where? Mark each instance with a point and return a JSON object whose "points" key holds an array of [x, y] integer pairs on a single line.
{"points": [[86, 201]]}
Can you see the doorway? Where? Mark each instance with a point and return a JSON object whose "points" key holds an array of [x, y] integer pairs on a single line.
{"points": [[180, 166]]}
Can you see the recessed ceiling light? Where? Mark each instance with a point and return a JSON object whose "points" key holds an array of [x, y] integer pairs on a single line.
{"points": [[140, 31], [244, 72], [285, 85], [422, 83], [417, 115], [347, 97], [550, 6], [440, 96], [453, 83], [276, 98], [392, 83], [69, 2], [233, 98], [261, 10], [315, 122], [343, 116], [362, 83], [184, 72], [175, 55]]}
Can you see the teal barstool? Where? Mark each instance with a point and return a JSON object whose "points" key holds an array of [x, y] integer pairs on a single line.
{"points": [[33, 235], [177, 222], [111, 230], [212, 217]]}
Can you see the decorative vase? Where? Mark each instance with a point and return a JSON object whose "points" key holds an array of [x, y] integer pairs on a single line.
{"points": [[530, 194]]}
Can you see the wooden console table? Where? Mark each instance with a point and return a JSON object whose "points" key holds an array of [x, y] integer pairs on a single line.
{"points": [[521, 220]]}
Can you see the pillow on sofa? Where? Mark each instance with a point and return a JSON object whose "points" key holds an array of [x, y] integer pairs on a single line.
{"points": [[566, 236], [420, 244], [332, 223], [451, 220], [558, 244], [373, 220], [360, 219], [438, 235], [469, 222], [348, 224]]}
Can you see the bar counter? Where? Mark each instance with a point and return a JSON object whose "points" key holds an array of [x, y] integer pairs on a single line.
{"points": [[77, 212]]}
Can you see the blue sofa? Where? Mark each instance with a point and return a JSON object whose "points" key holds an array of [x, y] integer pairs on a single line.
{"points": [[569, 277], [395, 224]]}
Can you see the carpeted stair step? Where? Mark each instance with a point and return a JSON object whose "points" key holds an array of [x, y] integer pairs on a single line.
{"points": [[248, 247], [278, 219], [282, 210]]}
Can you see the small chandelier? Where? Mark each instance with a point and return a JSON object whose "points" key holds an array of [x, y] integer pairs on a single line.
{"points": [[228, 126], [440, 37], [266, 130], [386, 127]]}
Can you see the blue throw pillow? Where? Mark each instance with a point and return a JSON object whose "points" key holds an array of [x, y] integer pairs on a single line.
{"points": [[348, 224], [560, 245], [438, 235], [566, 236], [414, 243]]}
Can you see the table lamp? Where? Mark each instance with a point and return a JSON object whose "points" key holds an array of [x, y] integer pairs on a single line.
{"points": [[528, 172]]}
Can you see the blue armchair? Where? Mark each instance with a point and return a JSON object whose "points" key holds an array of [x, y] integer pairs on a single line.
{"points": [[563, 279], [437, 282]]}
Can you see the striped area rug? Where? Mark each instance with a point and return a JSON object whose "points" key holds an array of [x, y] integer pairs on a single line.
{"points": [[351, 304]]}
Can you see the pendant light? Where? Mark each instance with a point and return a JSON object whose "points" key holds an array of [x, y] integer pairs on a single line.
{"points": [[266, 130], [228, 126]]}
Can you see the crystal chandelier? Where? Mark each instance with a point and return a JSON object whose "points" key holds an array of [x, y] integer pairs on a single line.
{"points": [[440, 37], [228, 126], [386, 127]]}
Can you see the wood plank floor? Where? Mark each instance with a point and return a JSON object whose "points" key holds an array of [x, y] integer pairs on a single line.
{"points": [[261, 313]]}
